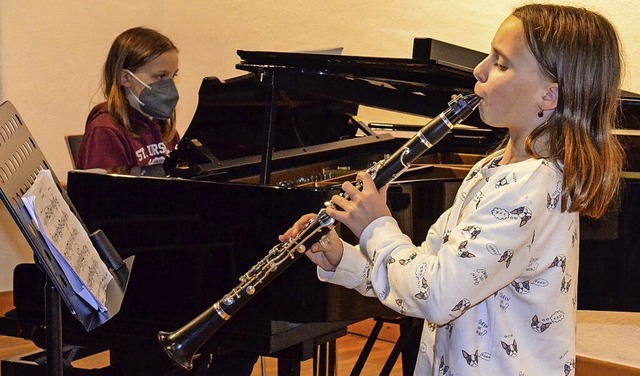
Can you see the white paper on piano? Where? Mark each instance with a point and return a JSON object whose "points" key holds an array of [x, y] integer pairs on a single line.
{"points": [[68, 240]]}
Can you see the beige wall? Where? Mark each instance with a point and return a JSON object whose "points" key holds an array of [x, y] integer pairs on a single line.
{"points": [[51, 52]]}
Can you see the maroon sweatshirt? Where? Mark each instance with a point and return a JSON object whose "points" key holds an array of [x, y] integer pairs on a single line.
{"points": [[105, 143]]}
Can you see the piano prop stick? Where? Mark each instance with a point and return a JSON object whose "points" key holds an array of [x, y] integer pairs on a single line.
{"points": [[182, 344]]}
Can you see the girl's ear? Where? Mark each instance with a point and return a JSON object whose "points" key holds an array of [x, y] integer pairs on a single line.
{"points": [[125, 79], [550, 99]]}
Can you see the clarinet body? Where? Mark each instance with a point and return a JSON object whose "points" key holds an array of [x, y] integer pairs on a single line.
{"points": [[182, 344]]}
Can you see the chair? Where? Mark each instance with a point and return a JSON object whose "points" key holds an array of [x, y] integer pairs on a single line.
{"points": [[73, 143]]}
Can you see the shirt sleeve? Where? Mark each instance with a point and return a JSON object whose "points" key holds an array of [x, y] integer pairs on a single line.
{"points": [[484, 251], [352, 272]]}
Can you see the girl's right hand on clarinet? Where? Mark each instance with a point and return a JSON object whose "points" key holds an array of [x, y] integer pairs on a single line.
{"points": [[326, 253]]}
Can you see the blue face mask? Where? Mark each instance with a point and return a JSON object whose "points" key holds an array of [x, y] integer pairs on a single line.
{"points": [[158, 99]]}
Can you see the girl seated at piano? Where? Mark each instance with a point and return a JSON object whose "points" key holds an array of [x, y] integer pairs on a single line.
{"points": [[496, 277], [135, 126]]}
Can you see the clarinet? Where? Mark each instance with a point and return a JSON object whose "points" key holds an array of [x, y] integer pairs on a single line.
{"points": [[182, 344]]}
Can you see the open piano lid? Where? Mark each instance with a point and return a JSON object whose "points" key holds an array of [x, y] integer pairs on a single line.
{"points": [[316, 100], [421, 85]]}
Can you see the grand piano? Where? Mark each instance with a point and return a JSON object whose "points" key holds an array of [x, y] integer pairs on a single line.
{"points": [[261, 150]]}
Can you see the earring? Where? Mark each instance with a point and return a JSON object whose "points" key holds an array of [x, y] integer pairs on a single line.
{"points": [[540, 113]]}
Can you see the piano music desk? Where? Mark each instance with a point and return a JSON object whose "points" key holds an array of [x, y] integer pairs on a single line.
{"points": [[607, 343]]}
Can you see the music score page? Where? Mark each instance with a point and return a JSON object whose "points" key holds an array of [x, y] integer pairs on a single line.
{"points": [[67, 240]]}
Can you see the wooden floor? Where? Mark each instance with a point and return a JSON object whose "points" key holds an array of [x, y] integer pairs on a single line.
{"points": [[348, 350]]}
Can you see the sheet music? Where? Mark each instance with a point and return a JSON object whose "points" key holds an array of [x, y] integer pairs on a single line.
{"points": [[68, 240]]}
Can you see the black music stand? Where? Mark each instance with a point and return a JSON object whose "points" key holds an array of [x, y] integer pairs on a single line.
{"points": [[20, 162]]}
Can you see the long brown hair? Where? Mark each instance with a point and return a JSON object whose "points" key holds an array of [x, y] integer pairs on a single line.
{"points": [[130, 50], [580, 50]]}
